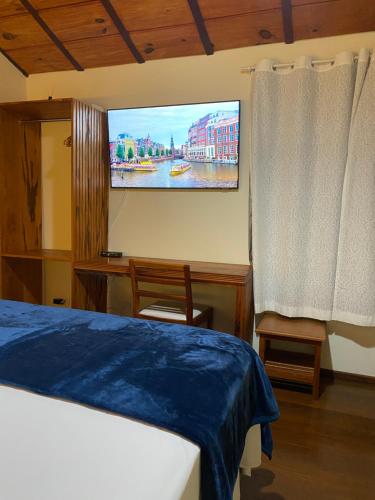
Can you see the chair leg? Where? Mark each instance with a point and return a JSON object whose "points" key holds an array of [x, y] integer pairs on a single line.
{"points": [[210, 319]]}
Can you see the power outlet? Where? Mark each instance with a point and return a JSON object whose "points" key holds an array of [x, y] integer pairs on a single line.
{"points": [[58, 301]]}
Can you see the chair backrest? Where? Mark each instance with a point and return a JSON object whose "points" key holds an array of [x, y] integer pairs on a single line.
{"points": [[143, 271]]}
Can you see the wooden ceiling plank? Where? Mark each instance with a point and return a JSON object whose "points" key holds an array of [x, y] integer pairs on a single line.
{"points": [[123, 31], [172, 41], [102, 51], [246, 30], [286, 9], [223, 8], [12, 61], [201, 27], [40, 58], [51, 34]]}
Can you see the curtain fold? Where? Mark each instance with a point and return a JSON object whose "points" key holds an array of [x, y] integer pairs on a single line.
{"points": [[354, 296], [308, 147]]}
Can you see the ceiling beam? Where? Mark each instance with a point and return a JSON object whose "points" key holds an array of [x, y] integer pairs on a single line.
{"points": [[51, 34], [12, 61], [123, 31], [201, 27], [286, 9]]}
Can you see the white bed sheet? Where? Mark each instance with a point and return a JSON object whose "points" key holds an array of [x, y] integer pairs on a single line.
{"points": [[56, 450]]}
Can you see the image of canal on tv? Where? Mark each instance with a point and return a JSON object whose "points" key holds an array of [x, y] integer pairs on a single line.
{"points": [[184, 147]]}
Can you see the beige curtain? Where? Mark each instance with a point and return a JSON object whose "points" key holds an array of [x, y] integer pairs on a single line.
{"points": [[311, 141]]}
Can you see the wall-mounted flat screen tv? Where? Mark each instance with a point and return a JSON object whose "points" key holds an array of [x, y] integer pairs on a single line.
{"points": [[189, 146]]}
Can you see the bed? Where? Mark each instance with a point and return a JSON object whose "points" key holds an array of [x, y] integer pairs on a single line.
{"points": [[127, 437]]}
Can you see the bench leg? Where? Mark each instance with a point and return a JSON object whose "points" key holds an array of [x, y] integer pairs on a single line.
{"points": [[316, 380], [264, 345]]}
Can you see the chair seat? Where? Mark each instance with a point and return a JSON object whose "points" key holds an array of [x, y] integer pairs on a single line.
{"points": [[170, 310]]}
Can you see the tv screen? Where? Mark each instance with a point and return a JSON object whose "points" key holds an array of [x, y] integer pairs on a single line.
{"points": [[189, 146]]}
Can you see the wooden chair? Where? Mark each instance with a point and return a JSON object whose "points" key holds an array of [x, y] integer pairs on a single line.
{"points": [[175, 307]]}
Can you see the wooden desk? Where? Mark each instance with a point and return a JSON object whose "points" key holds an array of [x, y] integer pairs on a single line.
{"points": [[90, 285]]}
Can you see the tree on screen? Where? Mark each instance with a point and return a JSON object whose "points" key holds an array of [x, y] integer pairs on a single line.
{"points": [[120, 153], [130, 153], [142, 153], [149, 151]]}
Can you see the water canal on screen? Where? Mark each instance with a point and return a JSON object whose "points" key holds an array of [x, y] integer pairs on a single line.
{"points": [[200, 175]]}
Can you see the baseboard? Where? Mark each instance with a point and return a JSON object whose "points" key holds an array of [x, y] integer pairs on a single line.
{"points": [[352, 377]]}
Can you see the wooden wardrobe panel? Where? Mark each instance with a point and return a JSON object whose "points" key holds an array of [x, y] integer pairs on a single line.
{"points": [[89, 199], [20, 158]]}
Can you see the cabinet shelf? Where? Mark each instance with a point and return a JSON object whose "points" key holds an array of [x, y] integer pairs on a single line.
{"points": [[40, 254], [22, 274]]}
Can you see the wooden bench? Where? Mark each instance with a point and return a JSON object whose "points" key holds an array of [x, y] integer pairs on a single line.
{"points": [[288, 365]]}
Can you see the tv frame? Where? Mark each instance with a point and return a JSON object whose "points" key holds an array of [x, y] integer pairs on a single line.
{"points": [[195, 189]]}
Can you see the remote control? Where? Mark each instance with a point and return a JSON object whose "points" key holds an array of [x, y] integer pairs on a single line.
{"points": [[107, 253]]}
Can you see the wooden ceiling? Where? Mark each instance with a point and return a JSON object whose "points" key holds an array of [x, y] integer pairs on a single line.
{"points": [[54, 35]]}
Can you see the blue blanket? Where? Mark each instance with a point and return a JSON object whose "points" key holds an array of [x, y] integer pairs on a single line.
{"points": [[207, 386]]}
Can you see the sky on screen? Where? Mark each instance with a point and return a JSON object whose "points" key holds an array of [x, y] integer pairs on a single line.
{"points": [[161, 122]]}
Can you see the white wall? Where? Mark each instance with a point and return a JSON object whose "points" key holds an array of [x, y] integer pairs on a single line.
{"points": [[207, 225], [12, 82]]}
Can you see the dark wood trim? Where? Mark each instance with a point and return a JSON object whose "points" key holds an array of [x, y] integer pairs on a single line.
{"points": [[351, 377], [122, 30], [201, 27], [286, 9], [51, 34], [12, 61]]}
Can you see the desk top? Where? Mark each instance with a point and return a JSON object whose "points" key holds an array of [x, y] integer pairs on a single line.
{"points": [[201, 272]]}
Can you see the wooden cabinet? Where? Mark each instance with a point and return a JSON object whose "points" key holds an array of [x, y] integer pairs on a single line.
{"points": [[21, 221]]}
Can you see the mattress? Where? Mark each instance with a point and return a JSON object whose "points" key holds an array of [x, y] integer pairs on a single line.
{"points": [[52, 449]]}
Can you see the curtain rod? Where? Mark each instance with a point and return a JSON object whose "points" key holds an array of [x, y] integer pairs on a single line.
{"points": [[315, 62]]}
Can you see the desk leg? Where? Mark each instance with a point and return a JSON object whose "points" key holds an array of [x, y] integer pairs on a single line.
{"points": [[89, 291], [244, 321]]}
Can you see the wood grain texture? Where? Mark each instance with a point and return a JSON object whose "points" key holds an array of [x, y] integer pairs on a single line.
{"points": [[338, 17], [40, 59], [20, 211], [168, 42], [89, 201], [21, 214], [21, 176], [41, 254], [201, 272], [48, 4], [201, 27], [223, 8], [244, 30], [166, 275], [149, 14], [236, 275], [55, 109], [323, 449], [77, 22], [21, 31], [109, 52], [288, 365], [11, 7], [275, 325], [51, 35], [125, 35], [22, 280], [159, 29]]}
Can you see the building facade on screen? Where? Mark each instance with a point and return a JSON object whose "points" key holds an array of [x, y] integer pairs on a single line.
{"points": [[215, 136], [212, 137]]}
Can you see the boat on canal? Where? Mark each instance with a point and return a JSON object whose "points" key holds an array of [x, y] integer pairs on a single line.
{"points": [[180, 168]]}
